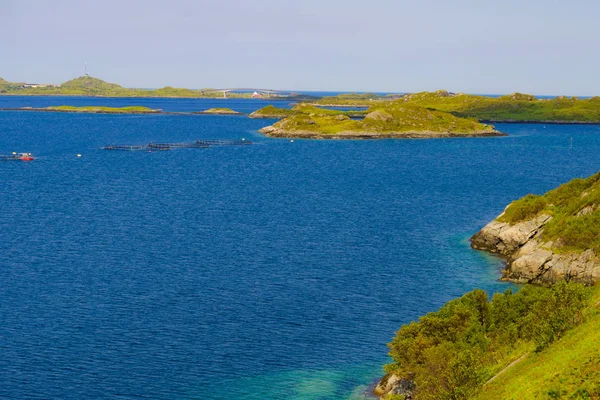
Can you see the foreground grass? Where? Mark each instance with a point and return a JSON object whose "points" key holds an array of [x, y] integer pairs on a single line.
{"points": [[568, 369]]}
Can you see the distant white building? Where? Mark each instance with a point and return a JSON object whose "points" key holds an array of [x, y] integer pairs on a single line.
{"points": [[36, 85]]}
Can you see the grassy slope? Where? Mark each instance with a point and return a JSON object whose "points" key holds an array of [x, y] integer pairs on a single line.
{"points": [[575, 208], [569, 368], [383, 118]]}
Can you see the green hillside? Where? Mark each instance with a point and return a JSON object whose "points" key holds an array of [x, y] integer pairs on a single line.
{"points": [[537, 343]]}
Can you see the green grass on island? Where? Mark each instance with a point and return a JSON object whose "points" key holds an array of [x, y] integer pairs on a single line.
{"points": [[220, 111], [104, 110], [575, 211], [391, 119], [537, 343]]}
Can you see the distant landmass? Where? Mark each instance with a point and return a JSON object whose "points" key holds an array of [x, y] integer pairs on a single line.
{"points": [[417, 115], [516, 107], [90, 86]]}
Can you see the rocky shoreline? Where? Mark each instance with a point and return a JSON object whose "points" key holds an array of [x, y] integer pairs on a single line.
{"points": [[531, 259], [393, 385], [274, 132]]}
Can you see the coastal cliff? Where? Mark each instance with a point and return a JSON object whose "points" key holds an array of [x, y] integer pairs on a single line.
{"points": [[550, 237]]}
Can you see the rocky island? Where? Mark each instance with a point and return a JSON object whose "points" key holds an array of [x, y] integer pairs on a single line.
{"points": [[549, 237], [385, 120]]}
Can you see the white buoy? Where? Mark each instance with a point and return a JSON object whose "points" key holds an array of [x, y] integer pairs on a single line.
{"points": [[292, 141], [78, 155], [14, 153], [243, 139]]}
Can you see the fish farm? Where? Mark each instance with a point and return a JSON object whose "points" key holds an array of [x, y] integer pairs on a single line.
{"points": [[198, 144]]}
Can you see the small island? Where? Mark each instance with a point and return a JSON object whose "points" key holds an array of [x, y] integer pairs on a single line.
{"points": [[385, 120], [550, 237], [219, 111], [94, 109]]}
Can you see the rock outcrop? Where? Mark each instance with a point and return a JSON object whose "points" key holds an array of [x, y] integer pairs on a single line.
{"points": [[392, 385], [530, 258]]}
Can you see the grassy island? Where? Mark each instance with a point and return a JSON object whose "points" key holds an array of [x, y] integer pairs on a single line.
{"points": [[220, 111], [101, 109], [537, 343], [384, 120]]}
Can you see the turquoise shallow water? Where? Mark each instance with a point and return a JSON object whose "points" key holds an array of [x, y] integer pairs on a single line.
{"points": [[278, 270]]}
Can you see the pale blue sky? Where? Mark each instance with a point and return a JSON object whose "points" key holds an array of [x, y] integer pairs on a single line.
{"points": [[476, 46]]}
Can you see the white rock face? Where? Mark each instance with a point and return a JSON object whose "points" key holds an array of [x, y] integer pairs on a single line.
{"points": [[530, 259]]}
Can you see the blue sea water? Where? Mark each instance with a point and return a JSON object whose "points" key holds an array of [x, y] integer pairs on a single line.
{"points": [[273, 271]]}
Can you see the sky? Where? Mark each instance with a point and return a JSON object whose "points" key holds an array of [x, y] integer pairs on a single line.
{"points": [[545, 47]]}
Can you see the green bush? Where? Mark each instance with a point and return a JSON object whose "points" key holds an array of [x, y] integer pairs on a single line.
{"points": [[524, 209]]}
